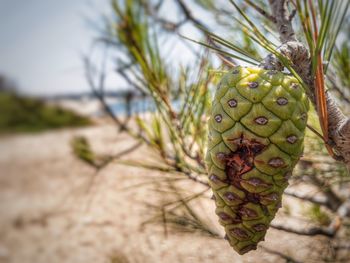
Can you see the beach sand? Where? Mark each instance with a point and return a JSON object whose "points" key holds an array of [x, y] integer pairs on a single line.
{"points": [[55, 208]]}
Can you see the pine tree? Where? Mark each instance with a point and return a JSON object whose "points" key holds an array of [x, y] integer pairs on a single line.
{"points": [[295, 43]]}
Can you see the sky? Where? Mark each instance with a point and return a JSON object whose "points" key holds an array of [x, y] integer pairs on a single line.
{"points": [[42, 43]]}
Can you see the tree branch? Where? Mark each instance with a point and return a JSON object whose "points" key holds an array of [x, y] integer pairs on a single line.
{"points": [[261, 11], [189, 16], [283, 22], [97, 91], [313, 231], [338, 123]]}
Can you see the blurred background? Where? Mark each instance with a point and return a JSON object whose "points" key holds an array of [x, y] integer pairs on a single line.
{"points": [[103, 113]]}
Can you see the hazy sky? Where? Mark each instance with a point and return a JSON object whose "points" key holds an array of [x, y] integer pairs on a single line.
{"points": [[42, 42]]}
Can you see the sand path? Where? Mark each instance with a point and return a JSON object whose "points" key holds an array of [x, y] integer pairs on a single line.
{"points": [[48, 215]]}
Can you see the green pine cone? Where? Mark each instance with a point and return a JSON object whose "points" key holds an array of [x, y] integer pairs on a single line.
{"points": [[256, 134]]}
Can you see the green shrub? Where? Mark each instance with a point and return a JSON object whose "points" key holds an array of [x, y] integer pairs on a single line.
{"points": [[23, 114]]}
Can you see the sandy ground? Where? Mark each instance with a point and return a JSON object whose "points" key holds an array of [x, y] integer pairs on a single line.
{"points": [[55, 208]]}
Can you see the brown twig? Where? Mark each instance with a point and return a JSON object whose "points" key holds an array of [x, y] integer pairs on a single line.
{"points": [[261, 11], [98, 90], [189, 16], [312, 231], [98, 94], [166, 24], [315, 132], [120, 154]]}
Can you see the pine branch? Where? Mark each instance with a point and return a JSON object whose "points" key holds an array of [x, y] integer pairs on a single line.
{"points": [[338, 123], [283, 22]]}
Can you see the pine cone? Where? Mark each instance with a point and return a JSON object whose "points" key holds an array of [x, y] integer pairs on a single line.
{"points": [[256, 134]]}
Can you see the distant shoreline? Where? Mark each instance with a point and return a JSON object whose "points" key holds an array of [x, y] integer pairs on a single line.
{"points": [[92, 107]]}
